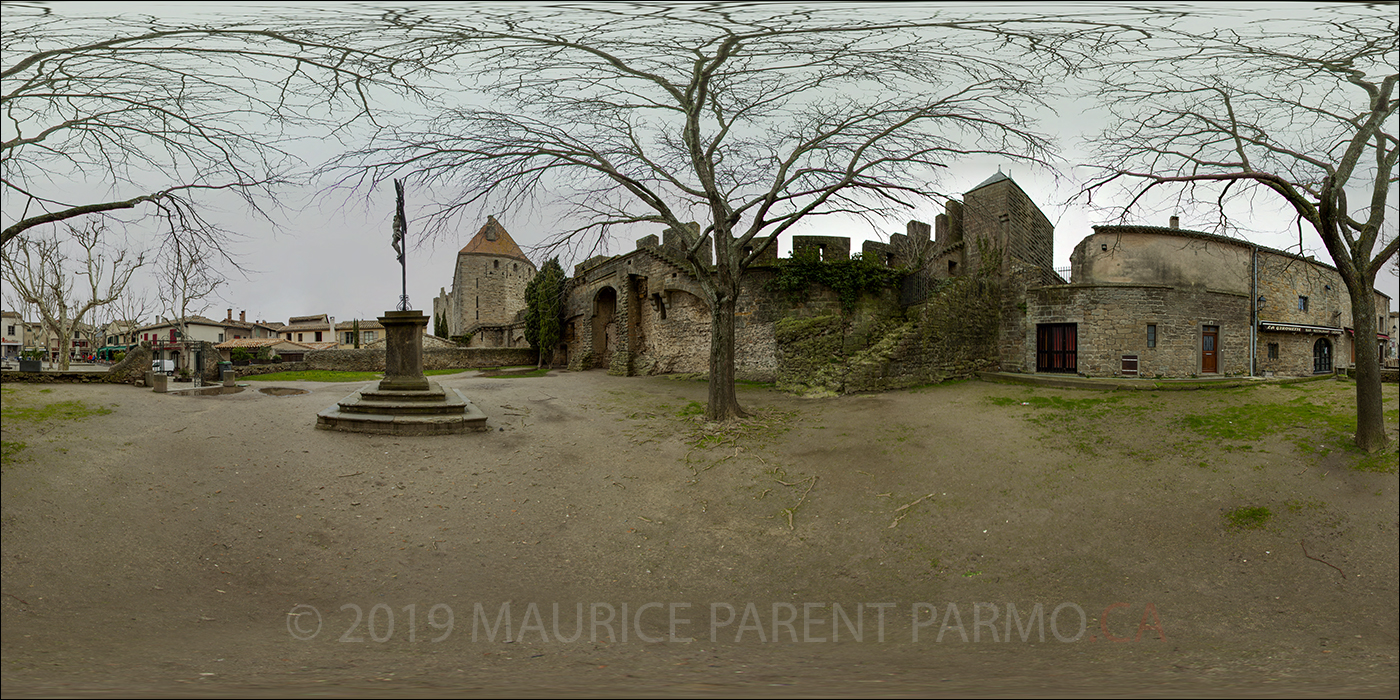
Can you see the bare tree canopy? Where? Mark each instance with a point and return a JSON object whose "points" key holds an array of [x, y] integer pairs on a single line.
{"points": [[748, 119], [41, 273], [1306, 113], [153, 116]]}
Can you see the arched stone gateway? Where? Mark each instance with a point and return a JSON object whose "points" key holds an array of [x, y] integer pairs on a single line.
{"points": [[605, 336]]}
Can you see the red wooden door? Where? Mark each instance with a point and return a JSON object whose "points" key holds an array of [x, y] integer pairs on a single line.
{"points": [[1210, 339]]}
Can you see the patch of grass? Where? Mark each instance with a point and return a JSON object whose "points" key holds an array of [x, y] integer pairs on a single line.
{"points": [[1383, 462], [440, 372], [313, 375], [9, 449], [1248, 517], [62, 410], [516, 375], [694, 408], [1058, 403], [1296, 505], [1253, 421]]}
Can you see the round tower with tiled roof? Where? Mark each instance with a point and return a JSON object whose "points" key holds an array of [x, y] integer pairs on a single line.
{"points": [[488, 287]]}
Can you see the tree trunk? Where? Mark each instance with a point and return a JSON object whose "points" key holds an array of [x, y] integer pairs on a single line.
{"points": [[1370, 418], [723, 401]]}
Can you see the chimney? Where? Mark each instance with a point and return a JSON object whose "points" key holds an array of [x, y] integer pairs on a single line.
{"points": [[1176, 222], [243, 316], [230, 315]]}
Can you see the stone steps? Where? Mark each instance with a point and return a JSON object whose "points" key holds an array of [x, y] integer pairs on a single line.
{"points": [[432, 412]]}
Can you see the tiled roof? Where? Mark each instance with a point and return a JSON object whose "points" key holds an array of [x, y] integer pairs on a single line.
{"points": [[314, 318], [493, 239], [365, 325], [304, 327], [254, 342], [188, 320], [995, 178]]}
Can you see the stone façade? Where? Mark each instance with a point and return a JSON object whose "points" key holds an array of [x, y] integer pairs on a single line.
{"points": [[488, 290]]}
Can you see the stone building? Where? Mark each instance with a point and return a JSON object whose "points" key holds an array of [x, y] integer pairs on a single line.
{"points": [[643, 312], [1167, 302], [979, 293], [487, 299]]}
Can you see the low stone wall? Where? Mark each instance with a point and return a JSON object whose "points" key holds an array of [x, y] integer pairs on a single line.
{"points": [[1388, 374], [372, 360], [251, 370], [47, 377]]}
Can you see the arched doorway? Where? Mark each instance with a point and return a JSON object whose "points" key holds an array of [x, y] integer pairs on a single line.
{"points": [[1322, 356], [604, 326]]}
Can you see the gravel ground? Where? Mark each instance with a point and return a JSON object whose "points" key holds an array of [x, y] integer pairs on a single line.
{"points": [[223, 546]]}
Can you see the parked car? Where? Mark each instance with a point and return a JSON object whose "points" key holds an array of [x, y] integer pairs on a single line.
{"points": [[166, 367]]}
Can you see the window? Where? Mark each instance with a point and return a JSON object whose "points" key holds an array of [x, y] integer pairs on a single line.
{"points": [[1302, 303], [289, 336], [1151, 335], [318, 336], [368, 336], [1273, 351], [221, 337], [9, 330], [300, 336], [495, 264]]}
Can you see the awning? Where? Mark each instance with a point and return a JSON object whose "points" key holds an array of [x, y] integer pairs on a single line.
{"points": [[1379, 336], [1277, 327]]}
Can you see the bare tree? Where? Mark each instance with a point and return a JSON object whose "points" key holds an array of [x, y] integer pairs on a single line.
{"points": [[124, 315], [747, 118], [1305, 113], [42, 274], [189, 283], [154, 117]]}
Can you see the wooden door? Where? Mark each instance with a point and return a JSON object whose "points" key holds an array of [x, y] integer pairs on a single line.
{"points": [[1057, 348], [1210, 343]]}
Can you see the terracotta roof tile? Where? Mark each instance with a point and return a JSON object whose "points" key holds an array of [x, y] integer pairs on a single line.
{"points": [[493, 239]]}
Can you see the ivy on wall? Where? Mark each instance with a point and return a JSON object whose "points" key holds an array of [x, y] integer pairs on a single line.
{"points": [[848, 278]]}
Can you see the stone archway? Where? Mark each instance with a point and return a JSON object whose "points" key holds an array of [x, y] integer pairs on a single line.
{"points": [[604, 327]]}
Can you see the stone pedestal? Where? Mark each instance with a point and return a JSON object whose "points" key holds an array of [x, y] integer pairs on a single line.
{"points": [[403, 351], [230, 378], [404, 402], [160, 386]]}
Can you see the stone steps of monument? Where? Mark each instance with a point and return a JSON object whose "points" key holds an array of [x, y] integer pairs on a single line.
{"points": [[446, 405], [405, 408], [454, 415], [433, 393], [334, 419]]}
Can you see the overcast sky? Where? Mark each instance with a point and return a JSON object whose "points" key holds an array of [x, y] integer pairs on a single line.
{"points": [[329, 252]]}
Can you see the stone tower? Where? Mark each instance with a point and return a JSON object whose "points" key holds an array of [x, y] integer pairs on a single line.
{"points": [[488, 286]]}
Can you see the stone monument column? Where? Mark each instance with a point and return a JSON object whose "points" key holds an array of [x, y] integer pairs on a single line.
{"points": [[403, 351]]}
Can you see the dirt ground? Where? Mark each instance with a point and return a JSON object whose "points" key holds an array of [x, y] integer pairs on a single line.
{"points": [[1219, 542]]}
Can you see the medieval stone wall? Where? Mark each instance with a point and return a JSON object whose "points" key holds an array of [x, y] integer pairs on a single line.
{"points": [[487, 289], [1000, 217], [372, 360], [1112, 321], [880, 346]]}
